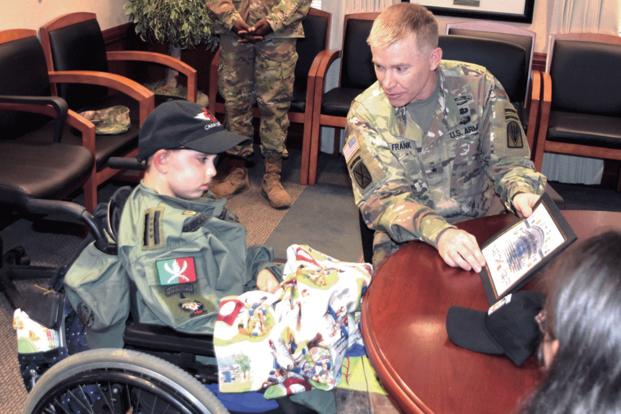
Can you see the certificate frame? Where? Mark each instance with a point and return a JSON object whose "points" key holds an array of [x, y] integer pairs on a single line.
{"points": [[516, 253], [515, 11]]}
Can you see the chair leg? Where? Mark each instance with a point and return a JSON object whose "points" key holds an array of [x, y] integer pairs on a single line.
{"points": [[314, 154], [306, 145], [90, 193]]}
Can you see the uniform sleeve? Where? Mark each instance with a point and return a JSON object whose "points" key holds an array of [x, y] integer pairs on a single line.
{"points": [[287, 12], [224, 11], [388, 200], [508, 156]]}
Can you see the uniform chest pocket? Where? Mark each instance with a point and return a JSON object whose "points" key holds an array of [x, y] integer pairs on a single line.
{"points": [[466, 141]]}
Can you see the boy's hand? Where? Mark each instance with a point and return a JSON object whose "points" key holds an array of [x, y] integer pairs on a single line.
{"points": [[267, 282]]}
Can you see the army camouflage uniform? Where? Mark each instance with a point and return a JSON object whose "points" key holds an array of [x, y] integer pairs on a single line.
{"points": [[411, 186], [263, 70]]}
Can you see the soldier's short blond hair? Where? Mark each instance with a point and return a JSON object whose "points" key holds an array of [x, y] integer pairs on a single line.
{"points": [[401, 19]]}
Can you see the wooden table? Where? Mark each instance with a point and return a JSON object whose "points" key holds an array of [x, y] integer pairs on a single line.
{"points": [[403, 325]]}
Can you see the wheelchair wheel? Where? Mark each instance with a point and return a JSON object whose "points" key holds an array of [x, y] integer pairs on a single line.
{"points": [[119, 381]]}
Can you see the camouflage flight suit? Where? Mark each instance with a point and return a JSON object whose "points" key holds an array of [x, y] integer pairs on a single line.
{"points": [[263, 71], [411, 186]]}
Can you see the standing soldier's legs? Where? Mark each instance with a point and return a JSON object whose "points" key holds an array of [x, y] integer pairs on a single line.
{"points": [[236, 85], [274, 77]]}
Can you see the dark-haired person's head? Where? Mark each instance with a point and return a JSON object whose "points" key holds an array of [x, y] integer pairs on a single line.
{"points": [[582, 341]]}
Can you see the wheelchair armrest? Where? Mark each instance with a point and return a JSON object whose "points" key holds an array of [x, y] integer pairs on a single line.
{"points": [[163, 338], [124, 163], [41, 105], [70, 210]]}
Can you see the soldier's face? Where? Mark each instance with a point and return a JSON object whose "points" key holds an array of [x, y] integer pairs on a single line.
{"points": [[404, 72], [188, 173]]}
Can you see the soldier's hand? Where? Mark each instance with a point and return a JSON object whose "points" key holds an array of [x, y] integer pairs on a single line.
{"points": [[523, 203], [267, 282], [261, 28], [240, 27], [458, 248]]}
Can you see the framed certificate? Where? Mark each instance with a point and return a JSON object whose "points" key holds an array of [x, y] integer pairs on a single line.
{"points": [[508, 10], [517, 252]]}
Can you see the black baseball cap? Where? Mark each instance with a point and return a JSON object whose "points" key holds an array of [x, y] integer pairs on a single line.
{"points": [[182, 124], [507, 328]]}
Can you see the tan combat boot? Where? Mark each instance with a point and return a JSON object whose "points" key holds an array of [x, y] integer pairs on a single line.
{"points": [[235, 182], [272, 187]]}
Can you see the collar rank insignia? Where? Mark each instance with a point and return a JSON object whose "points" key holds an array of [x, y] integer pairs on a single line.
{"points": [[176, 275]]}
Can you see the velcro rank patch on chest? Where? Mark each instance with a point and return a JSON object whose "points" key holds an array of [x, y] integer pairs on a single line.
{"points": [[152, 236]]}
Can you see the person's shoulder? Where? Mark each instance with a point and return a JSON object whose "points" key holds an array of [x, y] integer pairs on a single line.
{"points": [[458, 69], [371, 100], [373, 92]]}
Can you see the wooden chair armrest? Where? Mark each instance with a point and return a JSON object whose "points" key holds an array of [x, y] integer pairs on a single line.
{"points": [[86, 128], [533, 110], [136, 91], [544, 119], [36, 108], [213, 80], [160, 59], [323, 61]]}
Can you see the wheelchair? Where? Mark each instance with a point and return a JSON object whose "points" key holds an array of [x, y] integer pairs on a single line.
{"points": [[159, 370]]}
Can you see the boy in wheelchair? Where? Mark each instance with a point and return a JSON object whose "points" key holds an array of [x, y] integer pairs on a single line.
{"points": [[183, 251], [176, 250]]}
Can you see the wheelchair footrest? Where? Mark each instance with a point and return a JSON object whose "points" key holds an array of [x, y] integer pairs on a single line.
{"points": [[163, 338]]}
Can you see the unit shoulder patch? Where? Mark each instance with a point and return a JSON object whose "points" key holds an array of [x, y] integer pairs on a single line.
{"points": [[361, 173], [514, 135]]}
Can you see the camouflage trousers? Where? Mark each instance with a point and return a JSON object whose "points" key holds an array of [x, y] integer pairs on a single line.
{"points": [[261, 72]]}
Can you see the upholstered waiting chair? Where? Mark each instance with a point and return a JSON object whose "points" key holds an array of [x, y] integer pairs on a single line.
{"points": [[503, 32], [508, 63], [330, 108], [75, 42], [581, 107], [23, 72], [32, 174], [316, 30]]}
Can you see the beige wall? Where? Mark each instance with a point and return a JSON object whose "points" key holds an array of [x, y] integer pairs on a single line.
{"points": [[30, 14], [541, 22]]}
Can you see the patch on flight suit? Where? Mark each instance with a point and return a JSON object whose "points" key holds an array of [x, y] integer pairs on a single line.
{"points": [[514, 135], [152, 237], [194, 223], [194, 307], [176, 275], [361, 174]]}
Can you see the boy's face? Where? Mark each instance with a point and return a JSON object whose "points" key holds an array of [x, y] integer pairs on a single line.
{"points": [[189, 173]]}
